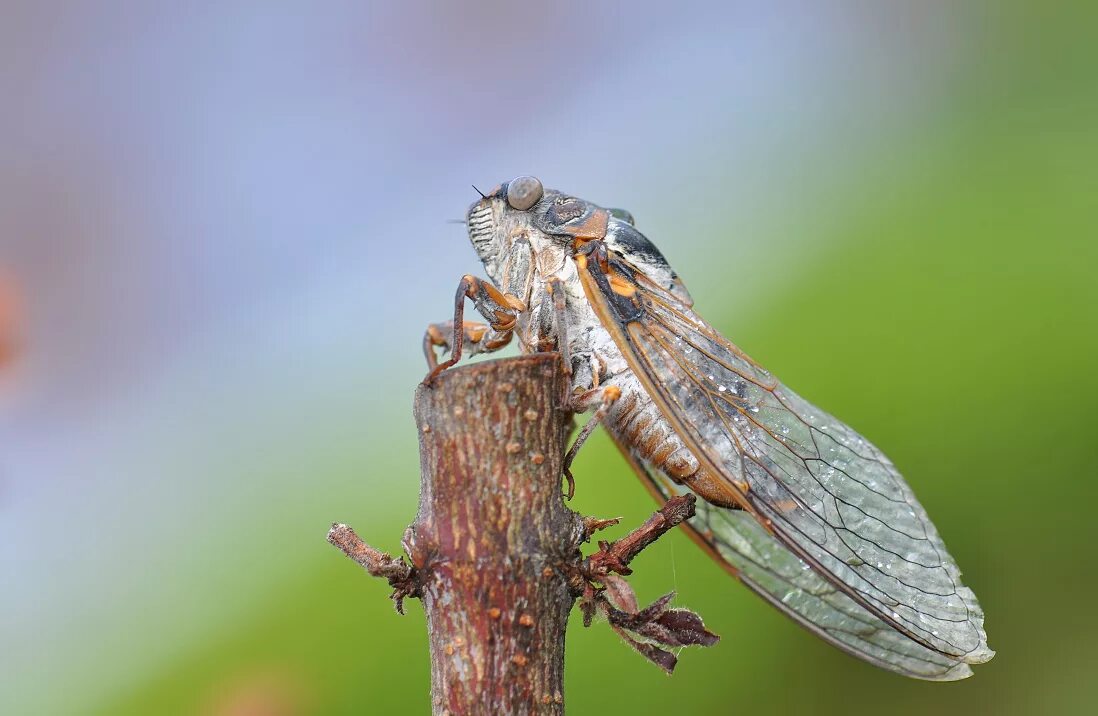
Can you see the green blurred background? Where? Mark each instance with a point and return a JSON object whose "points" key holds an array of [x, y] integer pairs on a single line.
{"points": [[224, 228]]}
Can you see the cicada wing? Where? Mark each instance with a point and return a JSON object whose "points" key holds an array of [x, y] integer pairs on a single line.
{"points": [[737, 541], [822, 490]]}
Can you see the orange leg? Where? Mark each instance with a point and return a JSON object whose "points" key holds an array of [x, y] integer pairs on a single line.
{"points": [[500, 309], [440, 335]]}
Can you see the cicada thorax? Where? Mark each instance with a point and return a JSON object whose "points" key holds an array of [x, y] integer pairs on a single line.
{"points": [[636, 421]]}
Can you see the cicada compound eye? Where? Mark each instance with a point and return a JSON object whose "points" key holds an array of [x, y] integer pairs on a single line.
{"points": [[524, 192]]}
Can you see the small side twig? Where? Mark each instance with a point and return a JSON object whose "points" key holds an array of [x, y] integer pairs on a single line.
{"points": [[616, 556], [657, 628], [401, 575]]}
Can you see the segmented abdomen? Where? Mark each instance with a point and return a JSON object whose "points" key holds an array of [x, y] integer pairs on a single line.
{"points": [[637, 422]]}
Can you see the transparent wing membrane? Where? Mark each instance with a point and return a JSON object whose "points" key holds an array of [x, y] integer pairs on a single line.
{"points": [[737, 540], [830, 533]]}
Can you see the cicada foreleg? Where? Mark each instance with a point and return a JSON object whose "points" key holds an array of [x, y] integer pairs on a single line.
{"points": [[500, 309], [477, 338], [560, 322]]}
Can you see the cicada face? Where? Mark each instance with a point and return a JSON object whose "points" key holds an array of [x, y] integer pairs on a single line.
{"points": [[522, 207]]}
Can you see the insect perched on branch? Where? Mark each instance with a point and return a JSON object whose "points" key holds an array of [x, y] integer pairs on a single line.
{"points": [[797, 505]]}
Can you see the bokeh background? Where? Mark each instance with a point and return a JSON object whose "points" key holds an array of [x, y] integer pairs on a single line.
{"points": [[223, 227]]}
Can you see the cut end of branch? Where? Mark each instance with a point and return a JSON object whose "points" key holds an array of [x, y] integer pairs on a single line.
{"points": [[678, 509]]}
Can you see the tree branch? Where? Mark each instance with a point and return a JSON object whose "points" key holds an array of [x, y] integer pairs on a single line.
{"points": [[495, 552]]}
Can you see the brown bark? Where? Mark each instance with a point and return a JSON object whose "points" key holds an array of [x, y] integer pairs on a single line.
{"points": [[495, 552], [492, 539]]}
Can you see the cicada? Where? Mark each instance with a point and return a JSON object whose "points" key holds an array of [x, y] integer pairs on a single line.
{"points": [[801, 508]]}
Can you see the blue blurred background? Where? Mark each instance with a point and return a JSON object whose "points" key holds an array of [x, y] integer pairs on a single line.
{"points": [[223, 227]]}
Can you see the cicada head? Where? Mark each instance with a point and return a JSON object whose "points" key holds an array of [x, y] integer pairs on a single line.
{"points": [[556, 225], [523, 207]]}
